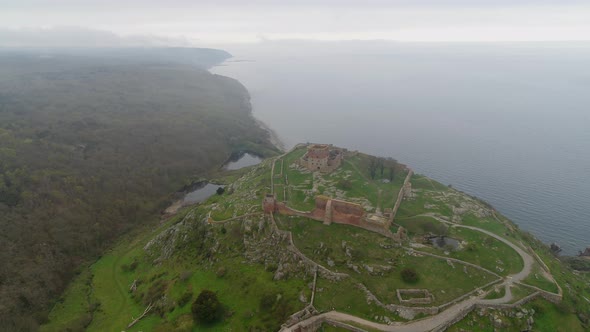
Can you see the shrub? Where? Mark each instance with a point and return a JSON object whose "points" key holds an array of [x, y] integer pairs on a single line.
{"points": [[409, 275], [206, 308], [220, 191], [185, 298], [185, 275], [345, 184], [267, 301], [221, 272]]}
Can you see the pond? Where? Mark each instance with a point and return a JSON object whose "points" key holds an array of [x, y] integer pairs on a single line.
{"points": [[241, 161], [200, 193], [444, 242]]}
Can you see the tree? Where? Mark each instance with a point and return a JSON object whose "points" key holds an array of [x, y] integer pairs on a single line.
{"points": [[409, 275], [206, 308], [391, 174], [373, 167]]}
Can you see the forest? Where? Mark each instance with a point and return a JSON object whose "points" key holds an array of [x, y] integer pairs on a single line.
{"points": [[92, 146]]}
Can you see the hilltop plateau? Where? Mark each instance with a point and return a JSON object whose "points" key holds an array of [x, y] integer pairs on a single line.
{"points": [[323, 238]]}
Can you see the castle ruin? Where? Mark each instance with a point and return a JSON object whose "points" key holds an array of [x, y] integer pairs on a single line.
{"points": [[329, 210], [321, 158]]}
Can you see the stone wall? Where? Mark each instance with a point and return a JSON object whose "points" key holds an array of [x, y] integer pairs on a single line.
{"points": [[400, 196], [426, 298], [329, 211], [317, 323]]}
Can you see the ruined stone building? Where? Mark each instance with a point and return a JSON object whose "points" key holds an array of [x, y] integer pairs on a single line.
{"points": [[321, 157]]}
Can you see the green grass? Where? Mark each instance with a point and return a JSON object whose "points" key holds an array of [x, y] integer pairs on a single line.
{"points": [[537, 278], [454, 284], [417, 205], [488, 252], [520, 292], [418, 225], [73, 310], [108, 285], [550, 317], [367, 257], [481, 249], [330, 296], [320, 242], [496, 293], [239, 290], [353, 169]]}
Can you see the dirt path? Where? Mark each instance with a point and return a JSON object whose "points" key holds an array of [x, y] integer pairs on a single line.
{"points": [[448, 315]]}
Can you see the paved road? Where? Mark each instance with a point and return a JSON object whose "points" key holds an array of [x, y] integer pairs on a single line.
{"points": [[432, 322]]}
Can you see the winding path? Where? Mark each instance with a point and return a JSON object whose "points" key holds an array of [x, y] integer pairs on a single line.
{"points": [[432, 323], [441, 319]]}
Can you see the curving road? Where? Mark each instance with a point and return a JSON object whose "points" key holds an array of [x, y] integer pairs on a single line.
{"points": [[444, 317]]}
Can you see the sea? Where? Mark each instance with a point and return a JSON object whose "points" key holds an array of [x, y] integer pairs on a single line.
{"points": [[506, 122]]}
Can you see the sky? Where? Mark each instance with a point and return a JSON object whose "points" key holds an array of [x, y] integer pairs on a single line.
{"points": [[201, 23]]}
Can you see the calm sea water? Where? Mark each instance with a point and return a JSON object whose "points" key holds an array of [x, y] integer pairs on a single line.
{"points": [[507, 123]]}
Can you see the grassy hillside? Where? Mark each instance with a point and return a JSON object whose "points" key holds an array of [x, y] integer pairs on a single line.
{"points": [[91, 147], [227, 245]]}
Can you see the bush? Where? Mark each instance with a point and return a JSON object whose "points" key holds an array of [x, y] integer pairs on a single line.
{"points": [[220, 191], [345, 184], [130, 267], [409, 275], [221, 272], [185, 298], [185, 275], [267, 301], [206, 308], [471, 246]]}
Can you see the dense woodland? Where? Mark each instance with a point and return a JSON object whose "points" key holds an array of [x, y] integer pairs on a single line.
{"points": [[91, 147]]}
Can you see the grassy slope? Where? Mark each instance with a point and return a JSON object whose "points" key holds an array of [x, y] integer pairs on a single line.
{"points": [[93, 147], [240, 287]]}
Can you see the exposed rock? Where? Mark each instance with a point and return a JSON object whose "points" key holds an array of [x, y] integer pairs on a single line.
{"points": [[330, 262], [498, 323], [406, 313], [302, 297]]}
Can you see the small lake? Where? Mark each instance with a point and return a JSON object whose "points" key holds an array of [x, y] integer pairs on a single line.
{"points": [[203, 190], [242, 161], [443, 242], [200, 193]]}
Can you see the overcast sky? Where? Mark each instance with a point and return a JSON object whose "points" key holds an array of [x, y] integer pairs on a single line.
{"points": [[195, 22]]}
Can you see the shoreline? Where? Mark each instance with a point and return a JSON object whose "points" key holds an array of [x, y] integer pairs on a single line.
{"points": [[275, 139]]}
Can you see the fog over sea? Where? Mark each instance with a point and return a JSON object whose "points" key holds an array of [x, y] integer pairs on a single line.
{"points": [[509, 123]]}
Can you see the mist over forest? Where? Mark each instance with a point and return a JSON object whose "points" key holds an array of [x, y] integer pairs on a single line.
{"points": [[92, 144]]}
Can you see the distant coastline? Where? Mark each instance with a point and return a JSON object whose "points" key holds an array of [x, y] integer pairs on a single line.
{"points": [[274, 137]]}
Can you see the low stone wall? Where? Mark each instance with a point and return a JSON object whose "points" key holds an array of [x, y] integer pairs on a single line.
{"points": [[426, 298], [462, 297], [316, 324], [460, 315], [341, 325], [400, 196], [551, 297]]}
